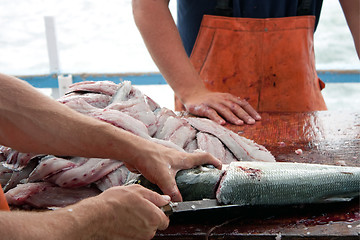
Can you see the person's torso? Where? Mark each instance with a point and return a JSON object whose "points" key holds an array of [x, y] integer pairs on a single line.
{"points": [[190, 13]]}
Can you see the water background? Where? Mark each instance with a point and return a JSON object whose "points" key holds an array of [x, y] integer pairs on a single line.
{"points": [[101, 37]]}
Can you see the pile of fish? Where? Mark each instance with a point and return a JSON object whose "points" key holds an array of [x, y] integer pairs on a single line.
{"points": [[45, 180], [250, 176]]}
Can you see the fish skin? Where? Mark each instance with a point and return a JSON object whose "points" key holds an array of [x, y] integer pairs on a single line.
{"points": [[17, 160], [20, 176], [194, 184], [267, 183], [283, 183], [5, 174], [198, 183]]}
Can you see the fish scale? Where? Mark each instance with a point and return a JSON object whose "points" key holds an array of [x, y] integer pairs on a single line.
{"points": [[262, 183]]}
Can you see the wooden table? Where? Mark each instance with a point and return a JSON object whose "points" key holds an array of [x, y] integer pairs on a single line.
{"points": [[324, 137]]}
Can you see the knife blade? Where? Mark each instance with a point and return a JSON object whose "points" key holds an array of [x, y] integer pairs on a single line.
{"points": [[191, 206]]}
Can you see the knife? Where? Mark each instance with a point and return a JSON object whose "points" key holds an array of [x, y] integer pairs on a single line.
{"points": [[191, 206]]}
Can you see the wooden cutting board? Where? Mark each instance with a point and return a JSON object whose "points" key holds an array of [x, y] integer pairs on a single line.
{"points": [[324, 137]]}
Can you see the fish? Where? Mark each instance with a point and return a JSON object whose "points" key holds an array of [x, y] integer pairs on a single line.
{"points": [[284, 183], [267, 183]]}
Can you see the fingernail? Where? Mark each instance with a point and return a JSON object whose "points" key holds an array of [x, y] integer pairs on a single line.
{"points": [[239, 122], [250, 121], [166, 197], [257, 117]]}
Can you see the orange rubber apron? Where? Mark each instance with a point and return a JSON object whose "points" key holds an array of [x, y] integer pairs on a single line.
{"points": [[269, 62], [3, 203]]}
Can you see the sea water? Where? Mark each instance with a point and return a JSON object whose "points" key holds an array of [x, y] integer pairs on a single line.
{"points": [[101, 37]]}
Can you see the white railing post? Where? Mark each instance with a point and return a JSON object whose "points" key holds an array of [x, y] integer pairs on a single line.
{"points": [[54, 62], [51, 41], [64, 82]]}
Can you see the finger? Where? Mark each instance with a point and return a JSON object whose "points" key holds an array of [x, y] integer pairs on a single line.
{"points": [[157, 201], [164, 223], [170, 188], [206, 158], [239, 111], [247, 107], [155, 198], [226, 112], [205, 111], [131, 168]]}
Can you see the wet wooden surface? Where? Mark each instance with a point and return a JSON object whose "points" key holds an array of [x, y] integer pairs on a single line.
{"points": [[324, 137]]}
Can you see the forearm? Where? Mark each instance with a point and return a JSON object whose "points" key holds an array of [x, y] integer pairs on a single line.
{"points": [[161, 36], [52, 225], [82, 220], [32, 122], [351, 11]]}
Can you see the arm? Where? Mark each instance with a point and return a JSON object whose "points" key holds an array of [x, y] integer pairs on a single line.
{"points": [[351, 11], [158, 29], [32, 122], [109, 215]]}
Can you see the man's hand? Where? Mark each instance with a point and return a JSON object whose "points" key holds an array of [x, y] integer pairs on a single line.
{"points": [[126, 213], [161, 165], [130, 212], [222, 107]]}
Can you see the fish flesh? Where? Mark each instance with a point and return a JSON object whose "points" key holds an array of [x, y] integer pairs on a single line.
{"points": [[44, 194], [211, 144], [134, 103], [242, 148], [114, 117], [177, 130], [103, 87], [94, 99]]}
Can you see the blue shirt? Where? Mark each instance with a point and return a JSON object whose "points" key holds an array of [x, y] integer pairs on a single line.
{"points": [[190, 13]]}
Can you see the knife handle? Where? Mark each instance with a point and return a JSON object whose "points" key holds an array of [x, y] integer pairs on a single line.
{"points": [[167, 209]]}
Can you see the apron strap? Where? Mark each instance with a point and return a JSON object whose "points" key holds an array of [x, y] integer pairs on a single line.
{"points": [[304, 8], [224, 8]]}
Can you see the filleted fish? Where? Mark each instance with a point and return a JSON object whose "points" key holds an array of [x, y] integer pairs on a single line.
{"points": [[126, 107]]}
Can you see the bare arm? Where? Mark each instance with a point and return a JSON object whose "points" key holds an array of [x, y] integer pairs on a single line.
{"points": [[158, 29], [351, 11], [32, 122], [111, 215]]}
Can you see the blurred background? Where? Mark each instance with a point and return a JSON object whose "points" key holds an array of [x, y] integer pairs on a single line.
{"points": [[101, 37]]}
